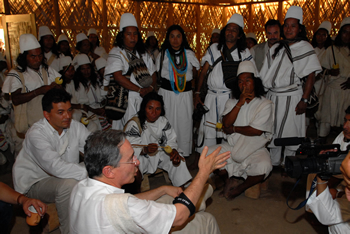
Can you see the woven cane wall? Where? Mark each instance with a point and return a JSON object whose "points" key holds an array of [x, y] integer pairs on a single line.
{"points": [[198, 18]]}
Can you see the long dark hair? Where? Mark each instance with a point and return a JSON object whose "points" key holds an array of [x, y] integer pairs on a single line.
{"points": [[149, 97], [148, 45], [241, 43], [338, 42], [300, 37], [327, 43], [139, 47], [80, 43], [69, 52], [166, 43], [54, 48], [79, 78], [259, 90], [22, 62]]}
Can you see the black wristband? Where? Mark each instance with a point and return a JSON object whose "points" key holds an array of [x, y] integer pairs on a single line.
{"points": [[183, 199]]}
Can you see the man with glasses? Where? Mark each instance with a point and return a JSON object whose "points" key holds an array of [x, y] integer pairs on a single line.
{"points": [[99, 205]]}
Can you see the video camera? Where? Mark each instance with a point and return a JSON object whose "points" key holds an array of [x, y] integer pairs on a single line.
{"points": [[325, 165]]}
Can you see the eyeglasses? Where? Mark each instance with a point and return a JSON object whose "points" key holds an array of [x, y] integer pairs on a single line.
{"points": [[134, 161]]}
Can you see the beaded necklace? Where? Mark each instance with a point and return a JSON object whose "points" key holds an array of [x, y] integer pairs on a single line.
{"points": [[177, 72]]}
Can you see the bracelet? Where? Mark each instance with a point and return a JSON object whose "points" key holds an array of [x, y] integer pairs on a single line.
{"points": [[183, 199], [151, 87], [323, 182], [21, 195], [239, 107], [139, 90], [197, 93]]}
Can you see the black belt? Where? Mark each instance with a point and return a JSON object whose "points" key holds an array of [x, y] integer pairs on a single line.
{"points": [[165, 84]]}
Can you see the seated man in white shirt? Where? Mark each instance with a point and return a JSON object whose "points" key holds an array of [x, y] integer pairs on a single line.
{"points": [[99, 205], [47, 167]]}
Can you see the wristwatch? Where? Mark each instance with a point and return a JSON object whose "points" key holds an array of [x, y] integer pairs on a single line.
{"points": [[304, 100]]}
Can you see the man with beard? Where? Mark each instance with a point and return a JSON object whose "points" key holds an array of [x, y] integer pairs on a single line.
{"points": [[47, 168], [273, 31]]}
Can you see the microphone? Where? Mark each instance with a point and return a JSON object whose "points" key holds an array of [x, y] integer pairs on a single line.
{"points": [[289, 141]]}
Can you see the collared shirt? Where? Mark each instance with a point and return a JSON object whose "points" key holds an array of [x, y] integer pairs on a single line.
{"points": [[88, 213], [45, 153]]}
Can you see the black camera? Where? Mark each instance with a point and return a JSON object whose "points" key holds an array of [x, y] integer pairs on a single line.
{"points": [[199, 112], [325, 165]]}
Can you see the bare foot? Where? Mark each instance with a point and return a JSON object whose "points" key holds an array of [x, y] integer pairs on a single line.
{"points": [[231, 183], [233, 194]]}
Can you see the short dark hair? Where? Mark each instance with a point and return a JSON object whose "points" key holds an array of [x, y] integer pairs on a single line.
{"points": [[22, 62], [149, 97], [347, 111], [241, 43], [259, 90], [102, 148], [54, 95], [273, 22], [139, 47], [166, 43]]}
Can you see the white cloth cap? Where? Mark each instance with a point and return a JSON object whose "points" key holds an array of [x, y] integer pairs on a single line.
{"points": [[92, 31], [326, 25], [28, 42], [43, 31], [236, 19], [80, 59], [247, 67], [215, 30], [150, 34], [345, 21], [81, 37], [100, 63], [62, 37], [65, 61], [251, 35], [127, 20], [296, 13]]}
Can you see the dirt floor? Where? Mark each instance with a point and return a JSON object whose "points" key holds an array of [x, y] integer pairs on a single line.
{"points": [[268, 214]]}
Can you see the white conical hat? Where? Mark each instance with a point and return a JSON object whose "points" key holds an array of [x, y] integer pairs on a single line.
{"points": [[64, 61], [236, 19], [92, 31], [250, 35], [247, 66], [150, 34], [81, 37], [127, 20], [326, 25], [43, 31], [215, 30], [100, 63], [28, 42], [62, 37], [80, 59], [296, 13], [345, 21]]}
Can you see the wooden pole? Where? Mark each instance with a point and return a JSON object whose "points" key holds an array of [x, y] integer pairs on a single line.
{"points": [[250, 22], [317, 16], [106, 40], [280, 10], [170, 15], [57, 18], [7, 7], [137, 13], [224, 17], [199, 29]]}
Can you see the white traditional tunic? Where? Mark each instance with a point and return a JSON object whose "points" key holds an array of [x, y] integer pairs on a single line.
{"points": [[99, 208], [217, 95], [333, 213], [249, 157], [116, 62], [45, 154], [179, 107], [159, 132], [53, 61], [100, 51], [282, 79], [335, 99]]}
